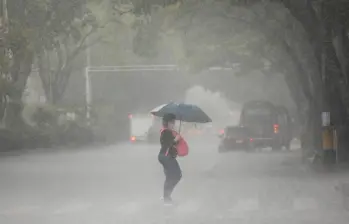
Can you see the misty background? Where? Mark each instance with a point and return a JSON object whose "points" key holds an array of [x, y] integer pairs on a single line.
{"points": [[123, 38], [73, 74]]}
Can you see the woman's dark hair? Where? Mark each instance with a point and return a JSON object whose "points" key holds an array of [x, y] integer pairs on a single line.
{"points": [[168, 118]]}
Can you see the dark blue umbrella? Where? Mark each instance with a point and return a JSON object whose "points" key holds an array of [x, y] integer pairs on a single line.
{"points": [[184, 112]]}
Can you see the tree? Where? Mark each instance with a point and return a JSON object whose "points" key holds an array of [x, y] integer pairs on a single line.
{"points": [[4, 58], [255, 35], [21, 54], [325, 24], [218, 34], [310, 47], [41, 28], [69, 28]]}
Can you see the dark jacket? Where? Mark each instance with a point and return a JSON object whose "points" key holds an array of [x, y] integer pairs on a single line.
{"points": [[168, 143]]}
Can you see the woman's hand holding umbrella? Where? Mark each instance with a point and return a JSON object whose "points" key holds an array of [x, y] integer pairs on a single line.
{"points": [[177, 138]]}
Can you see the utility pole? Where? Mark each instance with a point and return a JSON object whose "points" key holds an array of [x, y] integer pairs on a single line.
{"points": [[329, 134], [88, 96], [88, 85]]}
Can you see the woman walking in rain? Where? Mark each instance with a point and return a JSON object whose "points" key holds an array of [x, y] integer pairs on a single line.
{"points": [[167, 157]]}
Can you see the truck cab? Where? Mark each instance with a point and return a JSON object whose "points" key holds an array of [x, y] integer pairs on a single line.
{"points": [[268, 124], [139, 127]]}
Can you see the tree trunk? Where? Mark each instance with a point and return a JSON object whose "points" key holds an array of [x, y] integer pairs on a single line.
{"points": [[54, 82], [44, 73], [60, 83], [20, 74]]}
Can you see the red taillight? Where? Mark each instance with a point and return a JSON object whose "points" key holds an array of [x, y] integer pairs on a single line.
{"points": [[221, 132], [251, 139], [133, 139], [130, 116], [276, 128]]}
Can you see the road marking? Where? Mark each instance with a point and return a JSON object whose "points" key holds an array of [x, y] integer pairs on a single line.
{"points": [[305, 204], [20, 210], [72, 208]]}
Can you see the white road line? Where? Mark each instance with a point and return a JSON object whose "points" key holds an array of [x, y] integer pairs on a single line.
{"points": [[72, 208], [21, 210], [301, 204]]}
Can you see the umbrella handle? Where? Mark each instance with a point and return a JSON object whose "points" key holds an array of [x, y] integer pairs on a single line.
{"points": [[180, 122]]}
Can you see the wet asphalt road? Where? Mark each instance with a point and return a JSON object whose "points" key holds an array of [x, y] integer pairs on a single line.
{"points": [[123, 184]]}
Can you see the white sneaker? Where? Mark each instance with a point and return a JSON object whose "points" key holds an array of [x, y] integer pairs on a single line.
{"points": [[168, 202]]}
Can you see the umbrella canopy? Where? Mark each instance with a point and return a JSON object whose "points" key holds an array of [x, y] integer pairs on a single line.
{"points": [[183, 112]]}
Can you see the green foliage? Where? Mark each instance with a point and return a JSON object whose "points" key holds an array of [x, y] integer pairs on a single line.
{"points": [[145, 42], [61, 126], [141, 7], [247, 35], [44, 118], [49, 20], [68, 31]]}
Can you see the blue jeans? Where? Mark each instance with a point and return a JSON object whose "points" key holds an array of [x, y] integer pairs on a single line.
{"points": [[172, 172]]}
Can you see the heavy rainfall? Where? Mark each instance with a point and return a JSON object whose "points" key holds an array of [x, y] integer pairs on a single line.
{"points": [[174, 111]]}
